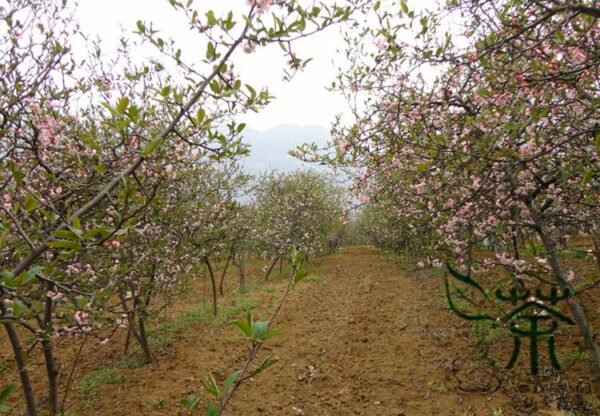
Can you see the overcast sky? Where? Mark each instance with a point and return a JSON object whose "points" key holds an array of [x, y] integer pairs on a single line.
{"points": [[304, 100]]}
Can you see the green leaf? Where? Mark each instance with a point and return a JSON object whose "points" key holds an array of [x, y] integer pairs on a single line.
{"points": [[211, 386], [140, 26], [30, 203], [300, 276], [122, 105], [6, 391], [100, 168], [404, 6], [4, 237], [268, 362], [81, 301], [165, 91], [191, 402], [245, 325], [74, 245], [212, 410], [259, 330], [272, 332], [65, 234], [229, 381], [251, 90], [200, 116], [215, 86], [210, 51], [211, 19], [31, 275], [5, 409], [19, 308], [76, 222], [150, 147], [7, 277], [101, 232], [297, 258]]}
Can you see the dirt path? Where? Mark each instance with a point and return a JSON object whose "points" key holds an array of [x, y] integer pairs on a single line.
{"points": [[363, 341], [360, 338], [371, 340]]}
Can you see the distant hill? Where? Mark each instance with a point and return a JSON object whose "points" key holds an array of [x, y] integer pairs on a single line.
{"points": [[269, 149]]}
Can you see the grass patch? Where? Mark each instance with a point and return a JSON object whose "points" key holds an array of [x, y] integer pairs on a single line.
{"points": [[201, 314], [156, 404], [130, 360], [162, 340], [248, 287], [89, 388], [569, 356], [314, 278], [485, 334], [238, 307], [163, 333]]}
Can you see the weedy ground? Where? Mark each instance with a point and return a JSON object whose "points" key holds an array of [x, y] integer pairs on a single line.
{"points": [[363, 336]]}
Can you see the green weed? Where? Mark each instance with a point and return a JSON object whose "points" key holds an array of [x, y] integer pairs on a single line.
{"points": [[89, 388], [239, 306], [156, 404], [314, 278], [573, 355]]}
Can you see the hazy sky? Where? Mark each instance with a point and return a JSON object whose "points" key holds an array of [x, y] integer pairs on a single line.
{"points": [[304, 100]]}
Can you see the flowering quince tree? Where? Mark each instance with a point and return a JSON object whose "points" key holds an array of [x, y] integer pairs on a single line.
{"points": [[94, 149], [489, 136], [302, 210]]}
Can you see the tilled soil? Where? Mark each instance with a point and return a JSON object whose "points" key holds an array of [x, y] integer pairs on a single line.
{"points": [[367, 340], [361, 337]]}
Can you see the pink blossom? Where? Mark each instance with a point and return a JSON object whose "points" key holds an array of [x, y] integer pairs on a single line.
{"points": [[262, 5], [249, 47], [344, 146], [382, 42]]}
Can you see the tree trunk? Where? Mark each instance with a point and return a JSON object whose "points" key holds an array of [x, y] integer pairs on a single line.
{"points": [[128, 337], [141, 335], [577, 310], [213, 284], [51, 370], [240, 265], [597, 250], [143, 340], [516, 281], [224, 272], [52, 374], [21, 366], [271, 268]]}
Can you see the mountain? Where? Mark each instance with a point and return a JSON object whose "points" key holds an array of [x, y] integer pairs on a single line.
{"points": [[269, 149]]}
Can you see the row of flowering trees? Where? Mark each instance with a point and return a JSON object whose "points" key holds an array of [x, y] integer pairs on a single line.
{"points": [[116, 175], [483, 135], [304, 210]]}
